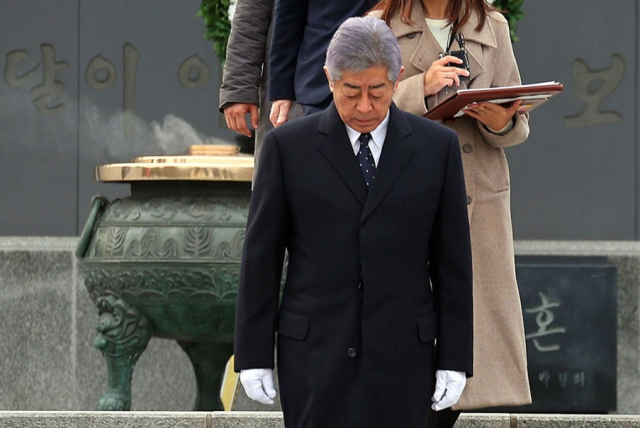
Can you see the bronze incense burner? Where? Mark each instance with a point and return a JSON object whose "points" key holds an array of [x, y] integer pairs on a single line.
{"points": [[165, 261]]}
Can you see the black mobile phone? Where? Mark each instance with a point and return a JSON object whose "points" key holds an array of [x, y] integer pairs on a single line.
{"points": [[461, 54]]}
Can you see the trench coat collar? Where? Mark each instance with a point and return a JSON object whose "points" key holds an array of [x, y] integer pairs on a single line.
{"points": [[474, 39], [337, 149]]}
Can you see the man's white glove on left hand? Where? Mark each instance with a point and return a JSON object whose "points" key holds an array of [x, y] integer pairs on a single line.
{"points": [[258, 384], [449, 387]]}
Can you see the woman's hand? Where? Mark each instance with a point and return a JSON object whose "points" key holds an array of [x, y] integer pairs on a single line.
{"points": [[440, 75], [493, 116]]}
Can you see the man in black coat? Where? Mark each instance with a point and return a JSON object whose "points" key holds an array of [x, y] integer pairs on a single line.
{"points": [[302, 30], [370, 204]]}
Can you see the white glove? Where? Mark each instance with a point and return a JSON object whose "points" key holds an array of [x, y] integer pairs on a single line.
{"points": [[258, 384], [449, 387]]}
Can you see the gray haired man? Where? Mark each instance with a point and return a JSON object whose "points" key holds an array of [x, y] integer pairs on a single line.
{"points": [[370, 204]]}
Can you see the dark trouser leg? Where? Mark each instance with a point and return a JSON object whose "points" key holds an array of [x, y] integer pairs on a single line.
{"points": [[443, 419]]}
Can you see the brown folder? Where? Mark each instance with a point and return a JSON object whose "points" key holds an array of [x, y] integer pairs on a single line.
{"points": [[531, 95]]}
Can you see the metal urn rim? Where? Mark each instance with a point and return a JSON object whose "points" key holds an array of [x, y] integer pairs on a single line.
{"points": [[209, 167]]}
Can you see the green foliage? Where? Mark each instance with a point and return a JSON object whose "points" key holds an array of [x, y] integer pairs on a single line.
{"points": [[511, 9], [216, 21]]}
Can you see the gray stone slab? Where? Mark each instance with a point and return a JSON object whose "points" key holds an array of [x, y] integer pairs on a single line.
{"points": [[628, 370], [577, 248], [625, 255], [32, 243], [577, 421], [247, 420], [36, 301], [164, 378], [274, 420], [49, 362], [103, 420], [484, 420]]}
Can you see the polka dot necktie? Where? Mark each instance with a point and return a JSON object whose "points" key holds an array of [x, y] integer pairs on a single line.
{"points": [[365, 158]]}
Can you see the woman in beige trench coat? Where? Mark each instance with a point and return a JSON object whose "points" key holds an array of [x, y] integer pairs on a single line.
{"points": [[500, 366]]}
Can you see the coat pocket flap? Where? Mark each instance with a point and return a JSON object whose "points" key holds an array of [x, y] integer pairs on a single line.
{"points": [[427, 328], [293, 325]]}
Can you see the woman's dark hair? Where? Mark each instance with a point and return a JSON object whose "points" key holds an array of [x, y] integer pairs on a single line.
{"points": [[458, 14]]}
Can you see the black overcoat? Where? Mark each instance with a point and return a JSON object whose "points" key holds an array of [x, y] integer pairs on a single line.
{"points": [[374, 278]]}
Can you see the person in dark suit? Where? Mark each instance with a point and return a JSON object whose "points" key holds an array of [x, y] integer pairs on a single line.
{"points": [[375, 319], [302, 30], [244, 79]]}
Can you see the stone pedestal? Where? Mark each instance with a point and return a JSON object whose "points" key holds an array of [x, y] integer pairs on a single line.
{"points": [[48, 328]]}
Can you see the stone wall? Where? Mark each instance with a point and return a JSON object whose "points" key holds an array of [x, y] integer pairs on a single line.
{"points": [[48, 329], [626, 257], [574, 178]]}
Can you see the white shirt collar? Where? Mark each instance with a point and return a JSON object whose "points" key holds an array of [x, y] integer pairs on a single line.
{"points": [[378, 136]]}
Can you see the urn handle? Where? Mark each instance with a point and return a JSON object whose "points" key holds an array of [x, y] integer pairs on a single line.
{"points": [[97, 203]]}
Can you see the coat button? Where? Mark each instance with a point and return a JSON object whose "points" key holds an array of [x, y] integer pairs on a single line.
{"points": [[360, 287], [467, 148], [468, 199], [351, 352]]}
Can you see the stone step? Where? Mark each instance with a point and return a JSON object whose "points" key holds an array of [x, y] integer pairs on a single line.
{"points": [[16, 419]]}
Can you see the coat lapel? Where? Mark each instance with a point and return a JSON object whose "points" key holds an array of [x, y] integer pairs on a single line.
{"points": [[427, 43], [396, 153], [336, 148], [476, 40]]}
